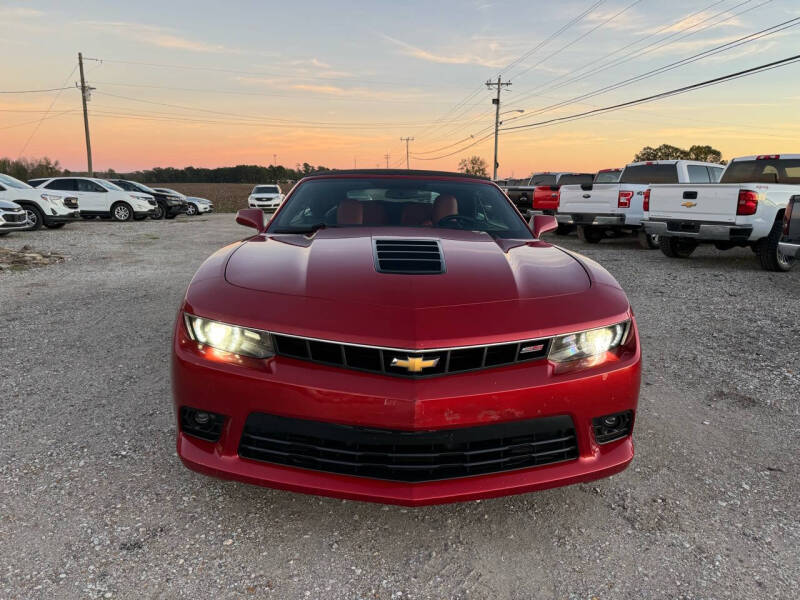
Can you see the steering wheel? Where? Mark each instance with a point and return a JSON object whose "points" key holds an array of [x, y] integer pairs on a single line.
{"points": [[456, 222]]}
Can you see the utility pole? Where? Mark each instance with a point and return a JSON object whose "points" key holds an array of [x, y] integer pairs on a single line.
{"points": [[496, 101], [386, 156], [406, 140], [275, 160], [85, 92]]}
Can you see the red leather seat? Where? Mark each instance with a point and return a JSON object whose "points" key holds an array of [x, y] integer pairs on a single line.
{"points": [[444, 206], [350, 212], [416, 214]]}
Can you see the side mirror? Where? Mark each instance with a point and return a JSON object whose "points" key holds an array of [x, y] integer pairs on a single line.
{"points": [[542, 224], [251, 217]]}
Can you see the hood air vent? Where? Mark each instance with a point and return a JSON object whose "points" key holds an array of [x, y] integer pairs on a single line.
{"points": [[411, 257]]}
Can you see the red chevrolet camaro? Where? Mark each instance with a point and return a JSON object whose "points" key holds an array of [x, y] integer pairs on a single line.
{"points": [[404, 337]]}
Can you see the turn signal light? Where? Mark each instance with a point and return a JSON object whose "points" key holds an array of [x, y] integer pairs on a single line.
{"points": [[787, 216], [624, 199], [748, 202], [646, 201]]}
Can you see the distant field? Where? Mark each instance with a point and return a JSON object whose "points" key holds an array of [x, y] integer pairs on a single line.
{"points": [[227, 197]]}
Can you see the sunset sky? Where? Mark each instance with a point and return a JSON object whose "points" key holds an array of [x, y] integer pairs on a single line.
{"points": [[339, 83]]}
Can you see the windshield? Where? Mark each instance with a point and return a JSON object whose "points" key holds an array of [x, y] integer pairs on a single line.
{"points": [[135, 186], [776, 170], [108, 185], [12, 182], [393, 202], [645, 174], [168, 191], [607, 177], [266, 189], [575, 179]]}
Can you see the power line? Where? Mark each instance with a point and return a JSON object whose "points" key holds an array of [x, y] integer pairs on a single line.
{"points": [[35, 91], [49, 108]]}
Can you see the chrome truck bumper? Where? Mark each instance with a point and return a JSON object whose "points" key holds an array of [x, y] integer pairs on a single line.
{"points": [[585, 219], [698, 230]]}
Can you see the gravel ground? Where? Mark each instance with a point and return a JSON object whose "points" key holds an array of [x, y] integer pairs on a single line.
{"points": [[94, 502]]}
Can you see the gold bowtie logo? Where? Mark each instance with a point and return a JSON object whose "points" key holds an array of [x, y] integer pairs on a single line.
{"points": [[414, 364], [688, 204]]}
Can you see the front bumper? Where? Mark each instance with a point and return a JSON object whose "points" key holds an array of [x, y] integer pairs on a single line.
{"points": [[146, 213], [177, 209], [265, 204], [63, 218], [297, 389], [204, 208], [789, 248], [13, 220], [589, 219], [698, 230]]}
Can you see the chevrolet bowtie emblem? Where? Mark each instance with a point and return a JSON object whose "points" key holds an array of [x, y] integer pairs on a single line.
{"points": [[414, 364], [688, 204]]}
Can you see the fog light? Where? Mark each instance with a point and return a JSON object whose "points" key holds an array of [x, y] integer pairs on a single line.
{"points": [[201, 424], [612, 427]]}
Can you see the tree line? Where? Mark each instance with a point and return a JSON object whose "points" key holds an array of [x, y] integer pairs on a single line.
{"points": [[29, 168]]}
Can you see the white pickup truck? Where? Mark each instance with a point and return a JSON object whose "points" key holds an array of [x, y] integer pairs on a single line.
{"points": [[602, 208], [745, 208]]}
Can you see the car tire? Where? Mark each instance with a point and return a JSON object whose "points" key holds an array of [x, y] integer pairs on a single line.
{"points": [[160, 212], [590, 235], [648, 241], [769, 253], [54, 225], [191, 210], [677, 247], [121, 211], [564, 229], [35, 217]]}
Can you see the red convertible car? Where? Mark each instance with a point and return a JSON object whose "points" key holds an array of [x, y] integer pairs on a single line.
{"points": [[404, 337]]}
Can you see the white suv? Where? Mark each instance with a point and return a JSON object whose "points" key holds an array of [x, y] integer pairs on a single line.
{"points": [[265, 197], [99, 198], [51, 209]]}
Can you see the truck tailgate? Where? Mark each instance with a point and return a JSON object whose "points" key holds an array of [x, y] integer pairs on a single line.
{"points": [[600, 199], [695, 202]]}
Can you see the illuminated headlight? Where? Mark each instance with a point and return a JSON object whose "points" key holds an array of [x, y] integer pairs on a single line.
{"points": [[586, 344], [229, 338]]}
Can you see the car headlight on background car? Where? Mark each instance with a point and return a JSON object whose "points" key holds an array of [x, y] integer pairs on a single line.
{"points": [[52, 198], [587, 344], [229, 338]]}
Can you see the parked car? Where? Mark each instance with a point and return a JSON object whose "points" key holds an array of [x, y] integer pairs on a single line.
{"points": [[167, 205], [50, 209], [12, 218], [745, 208], [265, 197], [422, 345], [100, 198], [790, 242], [540, 194], [198, 206], [617, 208]]}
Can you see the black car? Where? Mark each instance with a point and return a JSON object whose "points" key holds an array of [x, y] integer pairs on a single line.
{"points": [[169, 205], [790, 242]]}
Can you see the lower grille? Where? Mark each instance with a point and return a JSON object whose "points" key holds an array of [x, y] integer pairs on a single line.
{"points": [[14, 217], [411, 456]]}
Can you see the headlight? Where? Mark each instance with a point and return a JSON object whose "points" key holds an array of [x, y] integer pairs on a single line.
{"points": [[229, 338], [586, 344], [52, 198]]}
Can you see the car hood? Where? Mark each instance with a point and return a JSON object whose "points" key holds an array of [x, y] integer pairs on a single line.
{"points": [[265, 196], [326, 286], [5, 204], [340, 265]]}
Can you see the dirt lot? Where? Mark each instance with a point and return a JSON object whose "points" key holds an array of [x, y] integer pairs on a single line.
{"points": [[227, 197], [95, 504]]}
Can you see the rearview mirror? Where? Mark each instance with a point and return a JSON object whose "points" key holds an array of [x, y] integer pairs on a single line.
{"points": [[251, 217], [542, 224]]}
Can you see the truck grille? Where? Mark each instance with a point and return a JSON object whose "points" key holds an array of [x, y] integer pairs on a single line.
{"points": [[410, 456]]}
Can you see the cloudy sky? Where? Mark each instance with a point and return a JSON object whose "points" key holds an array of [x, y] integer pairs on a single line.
{"points": [[339, 83]]}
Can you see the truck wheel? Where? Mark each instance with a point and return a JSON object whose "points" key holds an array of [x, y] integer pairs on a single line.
{"points": [[34, 216], [564, 229], [648, 241], [769, 253], [160, 212], [590, 235], [676, 247], [121, 211], [54, 225]]}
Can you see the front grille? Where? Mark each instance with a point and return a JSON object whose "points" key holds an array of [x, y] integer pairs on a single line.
{"points": [[411, 456], [404, 363], [14, 217], [413, 257]]}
